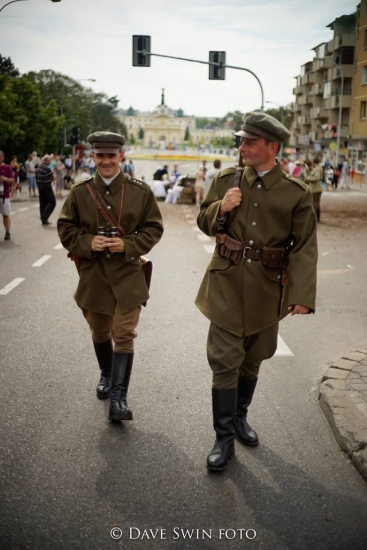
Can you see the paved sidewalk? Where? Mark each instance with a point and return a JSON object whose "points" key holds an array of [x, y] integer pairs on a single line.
{"points": [[343, 400]]}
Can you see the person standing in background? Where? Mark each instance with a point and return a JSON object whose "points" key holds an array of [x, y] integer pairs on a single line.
{"points": [[6, 182], [44, 179]]}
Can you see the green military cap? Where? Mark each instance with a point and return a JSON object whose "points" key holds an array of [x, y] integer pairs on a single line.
{"points": [[258, 124], [106, 142]]}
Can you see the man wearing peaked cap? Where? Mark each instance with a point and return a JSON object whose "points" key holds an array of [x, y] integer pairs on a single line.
{"points": [[261, 125], [112, 287], [263, 267]]}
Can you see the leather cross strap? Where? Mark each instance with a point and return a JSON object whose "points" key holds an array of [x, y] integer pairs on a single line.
{"points": [[232, 213], [104, 210]]}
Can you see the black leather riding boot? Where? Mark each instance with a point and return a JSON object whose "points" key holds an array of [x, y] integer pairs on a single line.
{"points": [[224, 410], [104, 353], [244, 432], [121, 370]]}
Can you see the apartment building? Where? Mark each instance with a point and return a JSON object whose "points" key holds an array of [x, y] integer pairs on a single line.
{"points": [[331, 95], [357, 145]]}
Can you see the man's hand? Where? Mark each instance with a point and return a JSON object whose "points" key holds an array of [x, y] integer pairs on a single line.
{"points": [[231, 199], [114, 244], [299, 310]]}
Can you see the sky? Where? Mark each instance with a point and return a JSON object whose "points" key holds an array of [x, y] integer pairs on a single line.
{"points": [[87, 39]]}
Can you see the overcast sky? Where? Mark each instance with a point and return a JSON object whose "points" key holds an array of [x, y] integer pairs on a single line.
{"points": [[93, 39]]}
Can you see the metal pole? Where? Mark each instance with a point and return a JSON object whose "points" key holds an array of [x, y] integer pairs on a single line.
{"points": [[215, 65], [12, 2]]}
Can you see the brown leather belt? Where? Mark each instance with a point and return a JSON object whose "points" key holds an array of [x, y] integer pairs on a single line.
{"points": [[275, 258]]}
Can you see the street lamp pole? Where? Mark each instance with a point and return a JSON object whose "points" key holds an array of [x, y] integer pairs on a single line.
{"points": [[13, 1]]}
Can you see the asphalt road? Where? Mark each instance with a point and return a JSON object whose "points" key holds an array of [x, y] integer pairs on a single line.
{"points": [[68, 476]]}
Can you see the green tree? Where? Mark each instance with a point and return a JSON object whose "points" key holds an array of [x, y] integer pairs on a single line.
{"points": [[7, 67], [141, 133], [26, 124], [187, 134], [104, 115]]}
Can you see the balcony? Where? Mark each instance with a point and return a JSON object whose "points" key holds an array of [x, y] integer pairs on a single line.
{"points": [[347, 70], [304, 100], [346, 101], [317, 89], [303, 139], [346, 39], [297, 90]]}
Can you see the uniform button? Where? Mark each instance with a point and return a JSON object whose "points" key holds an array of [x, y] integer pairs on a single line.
{"points": [[253, 224], [278, 277], [109, 208], [259, 186], [248, 261], [251, 242], [132, 258], [255, 205], [107, 192]]}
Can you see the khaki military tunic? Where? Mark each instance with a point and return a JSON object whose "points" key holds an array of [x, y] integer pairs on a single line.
{"points": [[244, 298], [104, 281]]}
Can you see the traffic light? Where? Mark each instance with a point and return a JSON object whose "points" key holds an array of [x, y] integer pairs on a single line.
{"points": [[217, 72], [141, 44], [75, 136]]}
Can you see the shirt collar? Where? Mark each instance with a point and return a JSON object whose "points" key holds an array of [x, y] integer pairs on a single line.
{"points": [[113, 188], [268, 179]]}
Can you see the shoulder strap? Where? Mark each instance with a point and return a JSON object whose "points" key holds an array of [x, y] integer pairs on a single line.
{"points": [[232, 213]]}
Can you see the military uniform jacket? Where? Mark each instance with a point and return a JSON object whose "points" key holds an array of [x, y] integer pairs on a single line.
{"points": [[104, 281], [244, 298]]}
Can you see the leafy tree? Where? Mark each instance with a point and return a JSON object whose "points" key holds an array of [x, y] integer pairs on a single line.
{"points": [[187, 134], [7, 67], [141, 133], [26, 124], [236, 116], [283, 114]]}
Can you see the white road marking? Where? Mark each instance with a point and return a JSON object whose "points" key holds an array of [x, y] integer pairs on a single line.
{"points": [[209, 248], [41, 261], [13, 212], [24, 209], [11, 286], [58, 247], [282, 348]]}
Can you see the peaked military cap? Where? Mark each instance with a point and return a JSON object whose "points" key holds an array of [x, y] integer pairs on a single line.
{"points": [[258, 124], [106, 142]]}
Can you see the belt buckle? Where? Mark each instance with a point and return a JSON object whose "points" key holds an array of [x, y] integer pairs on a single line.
{"points": [[244, 251]]}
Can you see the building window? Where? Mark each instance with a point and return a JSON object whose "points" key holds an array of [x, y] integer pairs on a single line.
{"points": [[364, 74], [362, 112], [365, 39]]}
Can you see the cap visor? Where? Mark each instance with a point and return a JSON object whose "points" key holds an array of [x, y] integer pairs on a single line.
{"points": [[247, 135], [107, 150]]}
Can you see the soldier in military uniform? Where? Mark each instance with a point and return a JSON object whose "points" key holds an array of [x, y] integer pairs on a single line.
{"points": [[112, 286], [271, 237]]}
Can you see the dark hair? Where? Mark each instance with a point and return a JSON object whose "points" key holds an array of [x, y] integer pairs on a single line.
{"points": [[217, 163]]}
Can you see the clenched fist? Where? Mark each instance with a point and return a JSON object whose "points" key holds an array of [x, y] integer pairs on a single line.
{"points": [[231, 200]]}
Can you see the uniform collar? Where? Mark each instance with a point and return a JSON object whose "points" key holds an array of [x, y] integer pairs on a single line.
{"points": [[114, 186], [269, 179]]}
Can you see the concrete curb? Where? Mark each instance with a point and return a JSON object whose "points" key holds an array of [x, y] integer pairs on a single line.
{"points": [[343, 400]]}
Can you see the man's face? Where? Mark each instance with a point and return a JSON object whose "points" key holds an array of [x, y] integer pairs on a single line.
{"points": [[107, 164], [257, 152]]}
